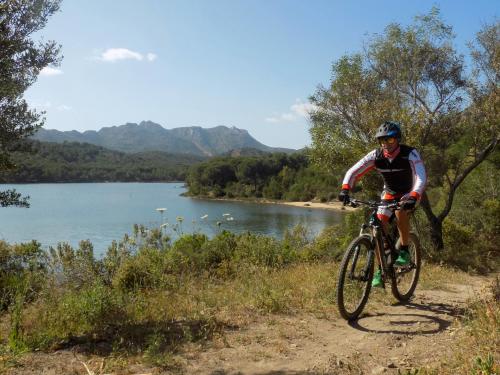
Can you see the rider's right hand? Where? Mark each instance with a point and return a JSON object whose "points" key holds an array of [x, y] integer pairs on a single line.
{"points": [[344, 196]]}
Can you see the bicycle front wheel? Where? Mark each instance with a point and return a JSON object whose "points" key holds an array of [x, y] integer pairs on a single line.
{"points": [[405, 278], [355, 277]]}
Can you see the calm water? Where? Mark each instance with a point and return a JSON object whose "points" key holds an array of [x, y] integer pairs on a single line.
{"points": [[102, 212]]}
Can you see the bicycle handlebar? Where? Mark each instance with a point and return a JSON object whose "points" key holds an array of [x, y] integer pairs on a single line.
{"points": [[373, 204]]}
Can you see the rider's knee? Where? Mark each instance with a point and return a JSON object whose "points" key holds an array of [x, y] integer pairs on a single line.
{"points": [[383, 218]]}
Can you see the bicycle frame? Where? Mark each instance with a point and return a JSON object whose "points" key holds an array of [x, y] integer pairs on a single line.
{"points": [[378, 237]]}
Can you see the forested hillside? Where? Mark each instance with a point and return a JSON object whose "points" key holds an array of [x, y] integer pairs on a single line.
{"points": [[272, 176], [83, 162]]}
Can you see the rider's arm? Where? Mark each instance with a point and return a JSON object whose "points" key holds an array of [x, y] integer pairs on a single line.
{"points": [[419, 175], [366, 164]]}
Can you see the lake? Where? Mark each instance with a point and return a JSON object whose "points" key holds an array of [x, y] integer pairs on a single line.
{"points": [[103, 212]]}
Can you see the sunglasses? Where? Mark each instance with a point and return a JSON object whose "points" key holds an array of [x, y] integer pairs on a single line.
{"points": [[387, 140]]}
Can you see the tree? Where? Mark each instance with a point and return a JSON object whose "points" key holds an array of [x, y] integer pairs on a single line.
{"points": [[250, 171], [414, 75], [21, 60]]}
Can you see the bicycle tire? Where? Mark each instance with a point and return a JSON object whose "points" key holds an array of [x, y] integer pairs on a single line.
{"points": [[364, 247], [403, 291]]}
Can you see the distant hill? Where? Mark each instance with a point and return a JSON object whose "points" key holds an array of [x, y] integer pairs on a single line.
{"points": [[149, 136], [83, 162], [245, 152]]}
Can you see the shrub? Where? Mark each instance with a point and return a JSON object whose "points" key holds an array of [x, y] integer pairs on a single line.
{"points": [[261, 250], [185, 254], [146, 270], [67, 314], [22, 271], [327, 245], [218, 253], [75, 267]]}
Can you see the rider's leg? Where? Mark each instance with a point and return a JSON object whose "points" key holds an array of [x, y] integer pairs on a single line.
{"points": [[403, 258], [403, 226], [383, 215]]}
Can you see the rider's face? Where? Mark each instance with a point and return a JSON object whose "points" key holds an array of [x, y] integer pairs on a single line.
{"points": [[389, 144]]}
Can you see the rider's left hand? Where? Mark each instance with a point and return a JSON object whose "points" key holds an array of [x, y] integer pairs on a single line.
{"points": [[409, 203]]}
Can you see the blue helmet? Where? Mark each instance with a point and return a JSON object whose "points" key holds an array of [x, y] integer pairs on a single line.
{"points": [[389, 129]]}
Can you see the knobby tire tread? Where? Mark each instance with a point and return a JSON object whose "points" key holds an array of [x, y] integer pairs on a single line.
{"points": [[344, 265], [418, 262]]}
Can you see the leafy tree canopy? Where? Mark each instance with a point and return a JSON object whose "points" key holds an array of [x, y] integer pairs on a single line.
{"points": [[414, 75], [21, 60]]}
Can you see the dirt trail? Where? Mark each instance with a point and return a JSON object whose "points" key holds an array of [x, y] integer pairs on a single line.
{"points": [[386, 340]]}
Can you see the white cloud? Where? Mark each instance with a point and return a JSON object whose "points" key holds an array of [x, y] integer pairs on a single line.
{"points": [[41, 105], [303, 109], [151, 56], [46, 105], [117, 54], [299, 110], [48, 71], [64, 107], [272, 119]]}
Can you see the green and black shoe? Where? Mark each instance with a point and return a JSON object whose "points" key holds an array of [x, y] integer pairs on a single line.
{"points": [[377, 281], [403, 259]]}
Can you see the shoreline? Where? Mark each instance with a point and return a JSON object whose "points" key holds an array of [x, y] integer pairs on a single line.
{"points": [[331, 206]]}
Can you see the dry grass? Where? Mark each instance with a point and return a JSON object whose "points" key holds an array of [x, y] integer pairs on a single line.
{"points": [[157, 326], [433, 276], [477, 351]]}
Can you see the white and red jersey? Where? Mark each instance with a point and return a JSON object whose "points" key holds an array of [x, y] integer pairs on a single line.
{"points": [[403, 171]]}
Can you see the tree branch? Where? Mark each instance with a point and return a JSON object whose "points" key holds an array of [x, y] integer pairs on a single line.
{"points": [[459, 179]]}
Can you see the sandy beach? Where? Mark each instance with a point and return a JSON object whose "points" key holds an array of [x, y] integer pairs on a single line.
{"points": [[318, 205], [336, 206]]}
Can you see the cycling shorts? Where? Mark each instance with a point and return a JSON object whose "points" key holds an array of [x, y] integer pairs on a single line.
{"points": [[384, 214]]}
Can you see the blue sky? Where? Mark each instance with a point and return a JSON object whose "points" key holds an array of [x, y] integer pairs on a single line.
{"points": [[249, 64]]}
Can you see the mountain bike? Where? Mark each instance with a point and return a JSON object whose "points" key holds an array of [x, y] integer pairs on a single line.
{"points": [[357, 266]]}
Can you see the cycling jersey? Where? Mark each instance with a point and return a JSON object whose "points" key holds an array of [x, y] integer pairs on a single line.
{"points": [[403, 171]]}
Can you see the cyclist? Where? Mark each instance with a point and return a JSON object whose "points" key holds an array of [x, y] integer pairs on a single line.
{"points": [[404, 177]]}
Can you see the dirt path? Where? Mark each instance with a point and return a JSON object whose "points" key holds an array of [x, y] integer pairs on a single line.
{"points": [[387, 339], [384, 340]]}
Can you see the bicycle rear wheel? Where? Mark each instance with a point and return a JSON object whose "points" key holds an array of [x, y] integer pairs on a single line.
{"points": [[405, 278], [355, 277]]}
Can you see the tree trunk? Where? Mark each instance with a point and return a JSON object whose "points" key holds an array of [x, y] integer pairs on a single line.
{"points": [[436, 223], [437, 234]]}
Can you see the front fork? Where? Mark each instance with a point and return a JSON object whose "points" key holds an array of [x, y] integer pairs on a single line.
{"points": [[366, 269]]}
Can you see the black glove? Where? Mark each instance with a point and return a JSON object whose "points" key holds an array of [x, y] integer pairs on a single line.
{"points": [[409, 204], [344, 196]]}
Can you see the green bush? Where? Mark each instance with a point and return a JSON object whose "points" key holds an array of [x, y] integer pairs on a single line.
{"points": [[146, 270], [23, 270], [67, 314], [185, 254], [327, 245], [75, 267], [259, 250], [218, 253]]}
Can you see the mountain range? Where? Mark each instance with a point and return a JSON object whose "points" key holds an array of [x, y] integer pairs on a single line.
{"points": [[149, 136]]}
